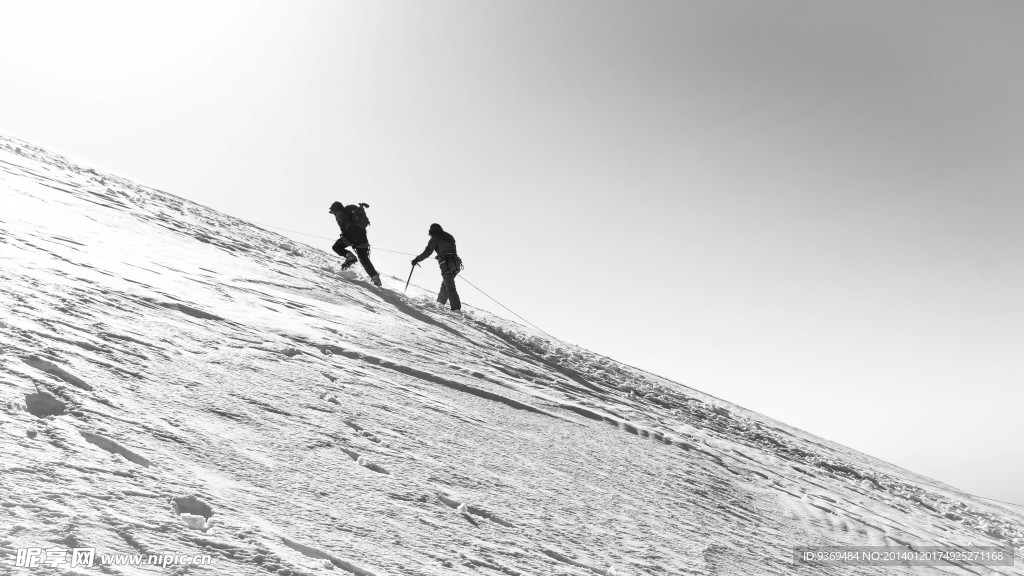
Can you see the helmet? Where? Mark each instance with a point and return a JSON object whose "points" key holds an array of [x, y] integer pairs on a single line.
{"points": [[336, 206]]}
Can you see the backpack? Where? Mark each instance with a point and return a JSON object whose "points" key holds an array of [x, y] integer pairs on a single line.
{"points": [[357, 214]]}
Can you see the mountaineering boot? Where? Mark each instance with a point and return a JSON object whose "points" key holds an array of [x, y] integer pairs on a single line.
{"points": [[350, 259], [375, 279]]}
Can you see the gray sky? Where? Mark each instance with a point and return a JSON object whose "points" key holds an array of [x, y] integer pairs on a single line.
{"points": [[810, 208]]}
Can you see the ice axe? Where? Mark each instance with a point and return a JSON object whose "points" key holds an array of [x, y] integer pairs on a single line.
{"points": [[411, 270]]}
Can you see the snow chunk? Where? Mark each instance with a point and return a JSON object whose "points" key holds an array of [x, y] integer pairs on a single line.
{"points": [[196, 522], [193, 521]]}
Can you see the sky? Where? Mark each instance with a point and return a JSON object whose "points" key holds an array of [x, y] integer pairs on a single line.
{"points": [[809, 208]]}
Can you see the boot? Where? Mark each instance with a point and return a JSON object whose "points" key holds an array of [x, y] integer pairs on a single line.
{"points": [[350, 259], [375, 279]]}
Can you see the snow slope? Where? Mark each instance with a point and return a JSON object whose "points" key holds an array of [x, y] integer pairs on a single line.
{"points": [[173, 379]]}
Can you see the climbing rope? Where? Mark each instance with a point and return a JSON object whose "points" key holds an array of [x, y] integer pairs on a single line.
{"points": [[463, 276]]}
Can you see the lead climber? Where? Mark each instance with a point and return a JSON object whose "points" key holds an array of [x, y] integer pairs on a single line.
{"points": [[353, 221]]}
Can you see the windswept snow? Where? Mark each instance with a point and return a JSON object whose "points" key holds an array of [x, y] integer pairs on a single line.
{"points": [[175, 380]]}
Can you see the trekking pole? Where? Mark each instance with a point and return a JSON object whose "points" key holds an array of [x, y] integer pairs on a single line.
{"points": [[411, 270]]}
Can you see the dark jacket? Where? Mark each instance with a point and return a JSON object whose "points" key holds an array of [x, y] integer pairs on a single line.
{"points": [[344, 220], [442, 243], [354, 235]]}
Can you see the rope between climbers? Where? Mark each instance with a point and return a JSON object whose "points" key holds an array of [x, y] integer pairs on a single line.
{"points": [[511, 311], [475, 287]]}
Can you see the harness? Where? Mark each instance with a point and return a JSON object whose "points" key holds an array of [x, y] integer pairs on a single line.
{"points": [[450, 263]]}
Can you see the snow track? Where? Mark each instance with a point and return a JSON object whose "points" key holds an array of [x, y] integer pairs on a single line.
{"points": [[176, 380]]}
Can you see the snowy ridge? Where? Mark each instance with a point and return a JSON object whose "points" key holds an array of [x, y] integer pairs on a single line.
{"points": [[175, 379]]}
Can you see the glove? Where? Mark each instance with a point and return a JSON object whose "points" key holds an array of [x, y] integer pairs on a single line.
{"points": [[415, 262]]}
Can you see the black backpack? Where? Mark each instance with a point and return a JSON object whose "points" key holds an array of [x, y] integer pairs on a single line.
{"points": [[357, 214]]}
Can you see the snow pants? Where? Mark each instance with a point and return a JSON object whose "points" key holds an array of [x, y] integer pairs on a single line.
{"points": [[362, 252], [451, 265]]}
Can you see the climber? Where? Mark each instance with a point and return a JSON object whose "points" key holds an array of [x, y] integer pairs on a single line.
{"points": [[353, 222], [444, 244]]}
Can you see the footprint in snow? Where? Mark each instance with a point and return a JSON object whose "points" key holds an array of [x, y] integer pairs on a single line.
{"points": [[565, 559], [468, 512], [45, 365], [191, 505], [42, 404], [115, 448], [362, 432], [365, 462]]}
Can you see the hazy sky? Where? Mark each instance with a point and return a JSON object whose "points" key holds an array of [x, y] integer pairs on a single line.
{"points": [[810, 208]]}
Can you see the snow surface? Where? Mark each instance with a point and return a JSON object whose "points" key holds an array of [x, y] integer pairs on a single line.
{"points": [[177, 380]]}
